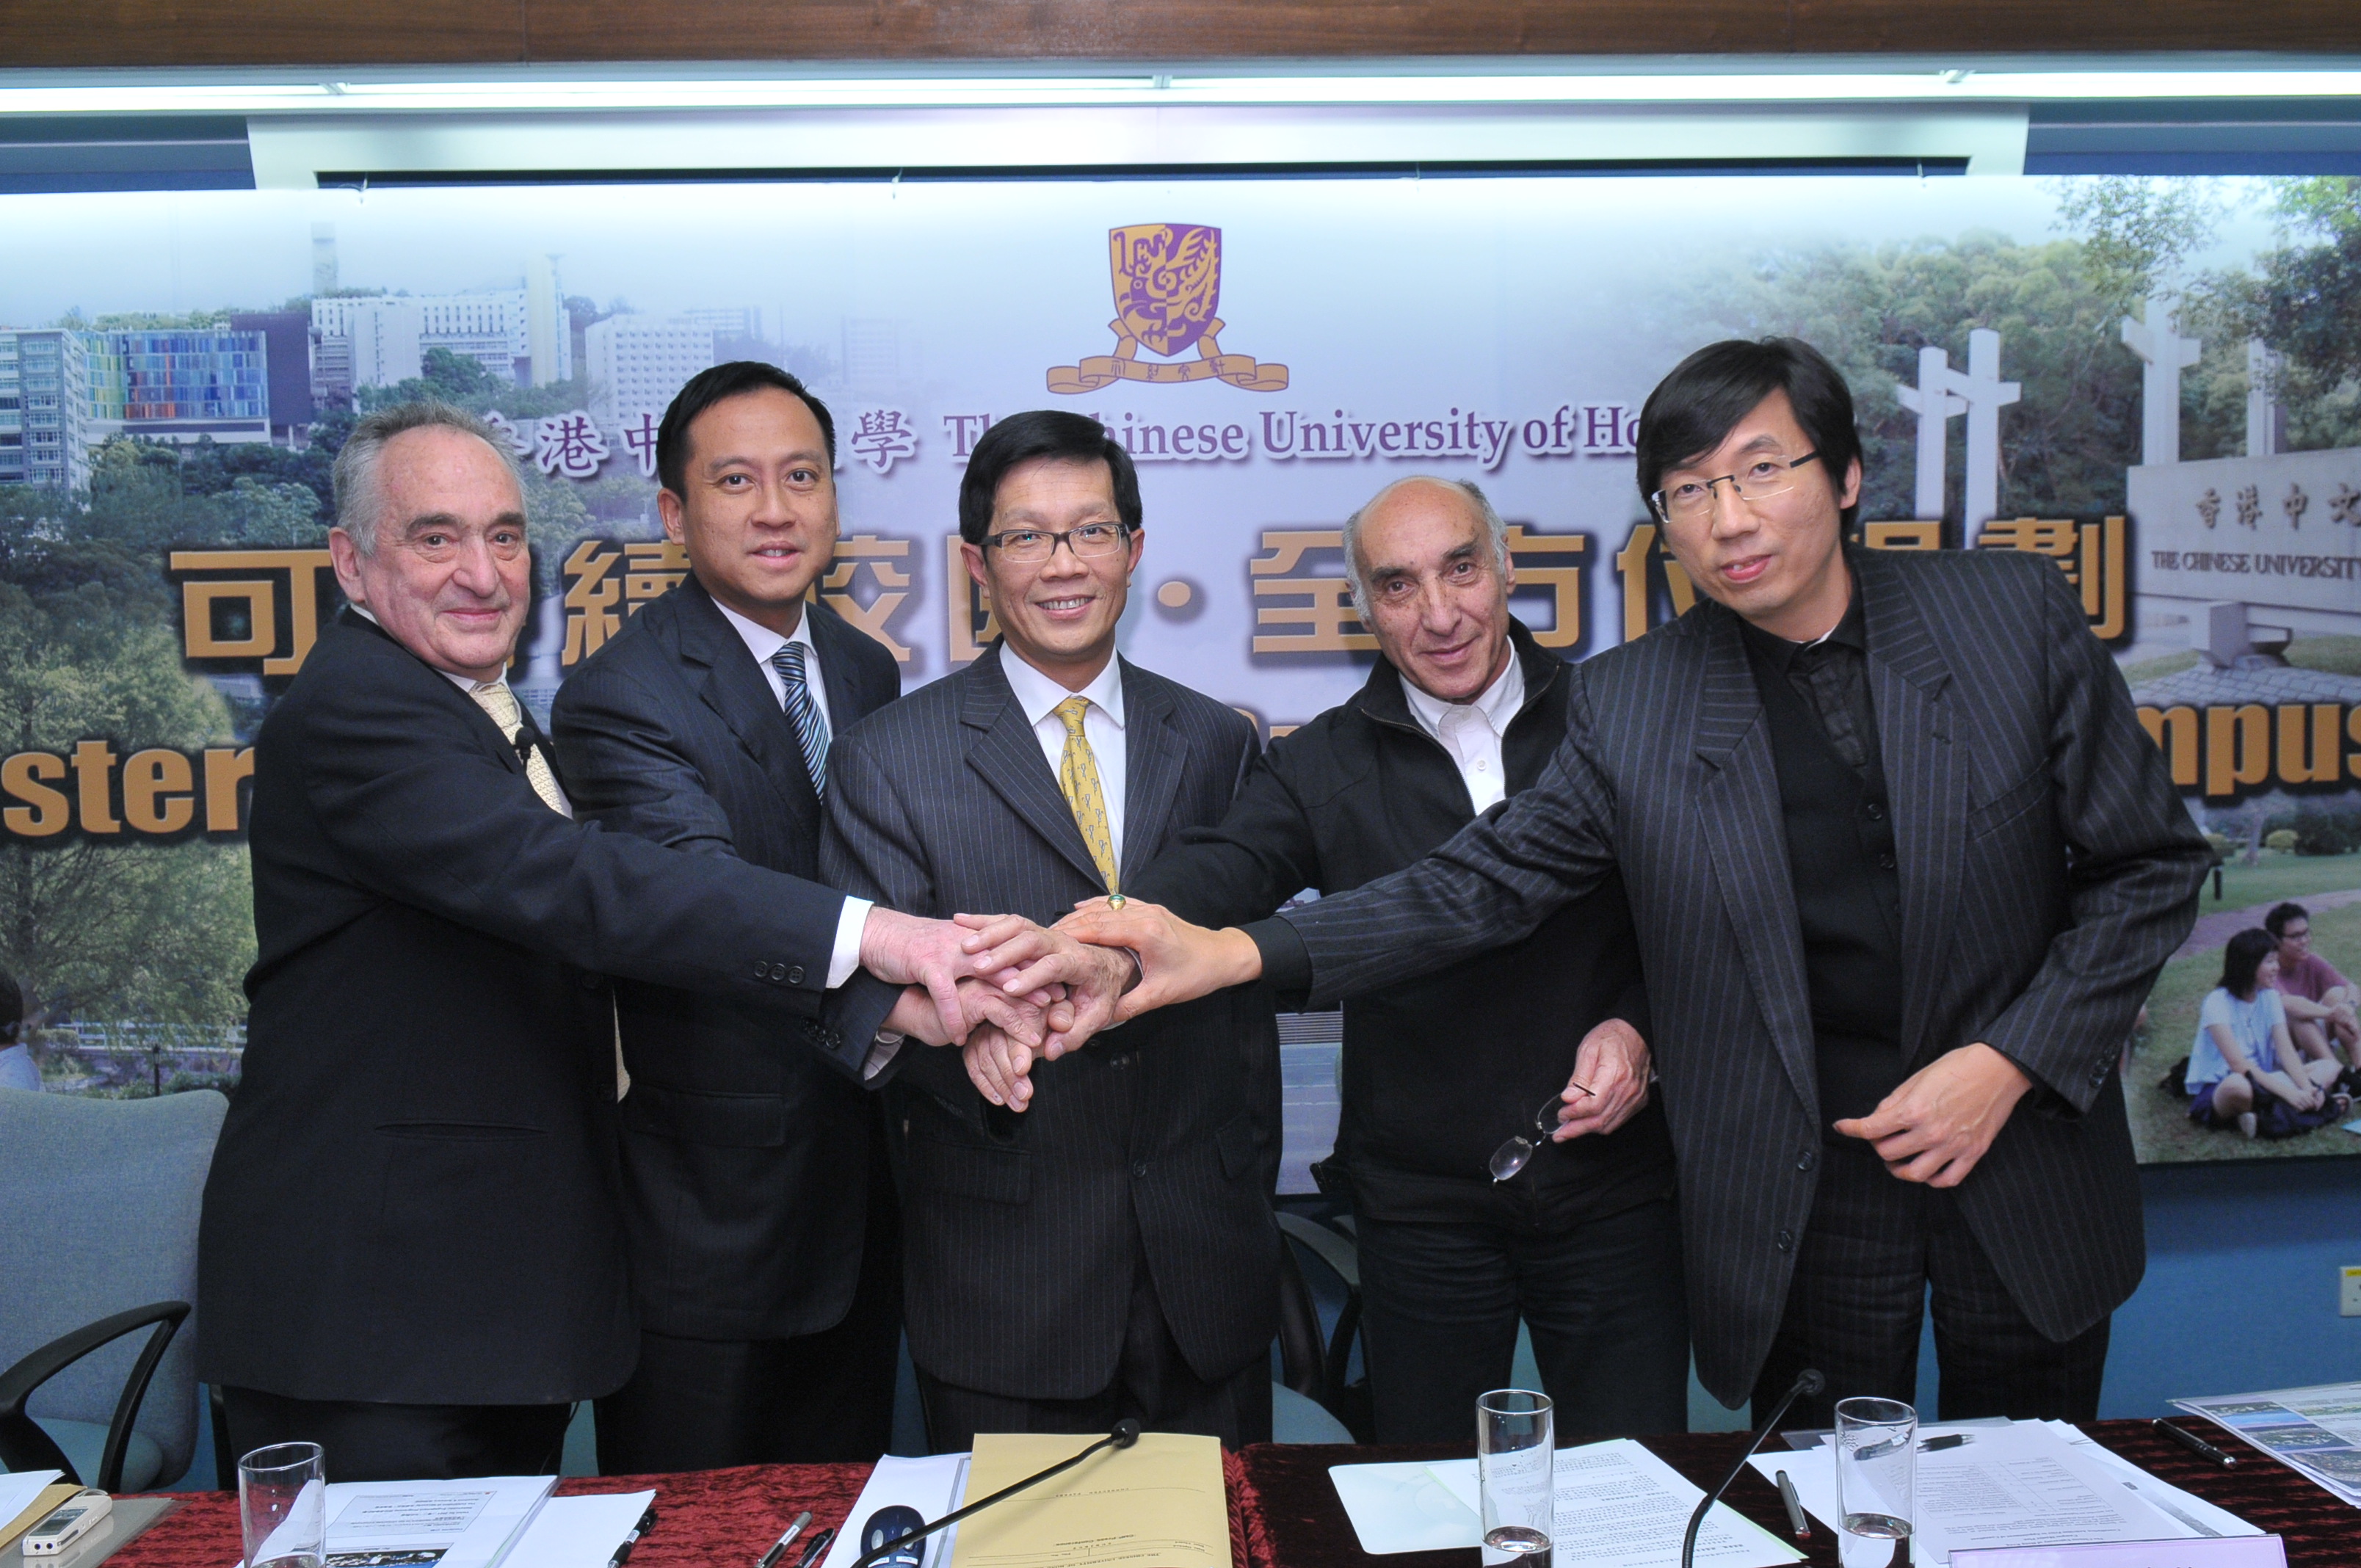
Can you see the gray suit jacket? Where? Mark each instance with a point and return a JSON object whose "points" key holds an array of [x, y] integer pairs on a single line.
{"points": [[1159, 1141], [2047, 870]]}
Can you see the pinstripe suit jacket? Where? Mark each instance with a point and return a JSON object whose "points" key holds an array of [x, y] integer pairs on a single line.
{"points": [[2047, 870], [1160, 1140]]}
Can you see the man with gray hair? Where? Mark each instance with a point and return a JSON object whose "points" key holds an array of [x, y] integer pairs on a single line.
{"points": [[1528, 1179], [409, 1247]]}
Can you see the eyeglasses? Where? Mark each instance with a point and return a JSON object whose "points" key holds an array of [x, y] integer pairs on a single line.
{"points": [[1762, 479], [1518, 1152], [1027, 546]]}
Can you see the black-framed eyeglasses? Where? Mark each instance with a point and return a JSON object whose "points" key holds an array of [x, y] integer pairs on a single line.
{"points": [[1029, 546], [1758, 481]]}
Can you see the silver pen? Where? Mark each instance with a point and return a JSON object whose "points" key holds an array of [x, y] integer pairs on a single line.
{"points": [[770, 1559], [1795, 1508]]}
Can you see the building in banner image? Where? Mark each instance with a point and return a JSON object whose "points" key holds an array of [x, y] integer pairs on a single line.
{"points": [[637, 363], [381, 340], [178, 384], [44, 410], [286, 340]]}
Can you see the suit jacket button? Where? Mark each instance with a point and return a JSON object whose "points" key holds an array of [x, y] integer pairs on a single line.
{"points": [[1808, 1158], [1139, 1168], [1787, 1241], [761, 972], [796, 975]]}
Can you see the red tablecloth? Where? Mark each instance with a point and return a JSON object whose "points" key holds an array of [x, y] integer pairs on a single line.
{"points": [[1292, 1518], [714, 1519]]}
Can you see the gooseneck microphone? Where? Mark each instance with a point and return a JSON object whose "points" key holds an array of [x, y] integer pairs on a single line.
{"points": [[1125, 1433], [1808, 1381]]}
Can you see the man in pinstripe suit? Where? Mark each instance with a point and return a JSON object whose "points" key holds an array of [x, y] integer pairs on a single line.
{"points": [[1102, 1246], [1902, 864]]}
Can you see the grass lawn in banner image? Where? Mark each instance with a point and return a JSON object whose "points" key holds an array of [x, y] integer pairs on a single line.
{"points": [[2281, 876], [2161, 1129]]}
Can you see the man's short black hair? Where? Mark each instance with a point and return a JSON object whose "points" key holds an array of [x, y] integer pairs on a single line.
{"points": [[1692, 410], [708, 388], [1041, 433], [2276, 922], [12, 1008]]}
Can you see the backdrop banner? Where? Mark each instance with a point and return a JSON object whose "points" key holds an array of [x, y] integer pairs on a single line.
{"points": [[2155, 385]]}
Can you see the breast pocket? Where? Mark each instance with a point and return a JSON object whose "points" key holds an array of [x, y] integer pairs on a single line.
{"points": [[2019, 799]]}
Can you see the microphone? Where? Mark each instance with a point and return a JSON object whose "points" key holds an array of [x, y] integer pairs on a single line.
{"points": [[1125, 1433], [1808, 1381]]}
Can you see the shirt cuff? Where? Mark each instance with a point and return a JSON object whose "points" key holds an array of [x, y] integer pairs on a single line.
{"points": [[847, 956], [882, 1049]]}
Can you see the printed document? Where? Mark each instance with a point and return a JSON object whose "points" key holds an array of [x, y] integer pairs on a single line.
{"points": [[2314, 1432], [444, 1524], [1161, 1503]]}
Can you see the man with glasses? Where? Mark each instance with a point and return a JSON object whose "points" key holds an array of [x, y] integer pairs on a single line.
{"points": [[1098, 1243], [2319, 1001], [1902, 865]]}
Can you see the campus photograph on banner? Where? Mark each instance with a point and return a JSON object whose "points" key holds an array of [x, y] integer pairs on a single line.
{"points": [[2154, 385]]}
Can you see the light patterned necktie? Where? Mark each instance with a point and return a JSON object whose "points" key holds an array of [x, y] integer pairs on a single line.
{"points": [[1078, 775], [495, 698], [810, 723]]}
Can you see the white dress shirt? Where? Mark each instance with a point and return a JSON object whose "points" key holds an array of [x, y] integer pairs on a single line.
{"points": [[764, 644], [1039, 695], [1471, 731]]}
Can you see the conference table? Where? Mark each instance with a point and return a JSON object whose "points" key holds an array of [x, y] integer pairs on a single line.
{"points": [[1284, 1511]]}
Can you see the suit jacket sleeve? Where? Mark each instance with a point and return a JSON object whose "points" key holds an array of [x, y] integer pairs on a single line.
{"points": [[1261, 854], [424, 814], [2136, 863], [1492, 884]]}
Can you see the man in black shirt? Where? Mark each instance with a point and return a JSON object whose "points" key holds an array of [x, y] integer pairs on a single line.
{"points": [[1583, 1242]]}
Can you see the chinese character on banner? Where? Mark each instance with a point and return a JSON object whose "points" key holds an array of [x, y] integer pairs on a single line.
{"points": [[970, 623], [241, 617], [591, 592], [639, 441], [1552, 561], [2090, 553], [2250, 506], [883, 437], [868, 552], [519, 441], [1914, 535], [2209, 507], [652, 568], [570, 444], [1323, 620], [2345, 506], [2295, 505]]}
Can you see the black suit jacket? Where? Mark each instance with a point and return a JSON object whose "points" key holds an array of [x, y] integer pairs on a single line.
{"points": [[414, 1195], [745, 1158], [2047, 870], [1161, 1138]]}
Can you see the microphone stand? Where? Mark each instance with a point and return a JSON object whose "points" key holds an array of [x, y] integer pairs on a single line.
{"points": [[1806, 1382], [1125, 1433]]}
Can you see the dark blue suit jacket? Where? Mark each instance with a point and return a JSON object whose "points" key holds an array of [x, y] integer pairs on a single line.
{"points": [[745, 1158]]}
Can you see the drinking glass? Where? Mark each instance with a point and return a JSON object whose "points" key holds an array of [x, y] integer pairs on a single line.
{"points": [[1877, 1449], [282, 1494], [1513, 1470]]}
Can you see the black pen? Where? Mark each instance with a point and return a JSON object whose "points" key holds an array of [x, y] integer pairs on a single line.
{"points": [[1795, 1507], [624, 1553], [1948, 1440], [770, 1559], [2195, 1444], [820, 1544]]}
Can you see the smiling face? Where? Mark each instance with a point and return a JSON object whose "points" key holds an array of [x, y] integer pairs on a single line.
{"points": [[2295, 942], [1058, 615], [1438, 597], [758, 513], [1777, 560], [450, 577]]}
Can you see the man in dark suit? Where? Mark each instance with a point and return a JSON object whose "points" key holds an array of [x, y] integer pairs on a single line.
{"points": [[1110, 1251], [1580, 1240], [1902, 864], [409, 1247], [759, 1219]]}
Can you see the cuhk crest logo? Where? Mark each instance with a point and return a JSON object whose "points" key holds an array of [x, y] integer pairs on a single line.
{"points": [[1167, 285]]}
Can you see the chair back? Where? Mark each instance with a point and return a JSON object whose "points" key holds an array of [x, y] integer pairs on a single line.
{"points": [[101, 1200]]}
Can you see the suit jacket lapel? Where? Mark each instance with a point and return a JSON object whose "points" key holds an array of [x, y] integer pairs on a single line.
{"points": [[1926, 780], [1002, 749], [735, 690], [1745, 832], [1153, 754]]}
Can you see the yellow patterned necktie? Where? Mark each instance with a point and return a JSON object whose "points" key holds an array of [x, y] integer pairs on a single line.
{"points": [[1078, 775], [495, 698]]}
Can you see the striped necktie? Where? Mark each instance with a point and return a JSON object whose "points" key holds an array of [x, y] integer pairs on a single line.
{"points": [[1078, 775], [495, 698], [810, 723]]}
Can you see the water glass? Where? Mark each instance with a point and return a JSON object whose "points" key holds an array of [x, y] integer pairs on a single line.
{"points": [[1877, 1451], [1513, 1453], [282, 1503]]}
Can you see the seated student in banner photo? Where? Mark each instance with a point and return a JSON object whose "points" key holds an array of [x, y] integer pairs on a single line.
{"points": [[2243, 1069]]}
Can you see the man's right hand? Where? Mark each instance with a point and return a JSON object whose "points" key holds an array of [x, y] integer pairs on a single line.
{"points": [[1178, 962], [904, 949], [1025, 956]]}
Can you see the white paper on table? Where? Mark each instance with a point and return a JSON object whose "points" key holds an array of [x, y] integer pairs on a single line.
{"points": [[2016, 1485], [2201, 1516], [1406, 1506], [20, 1489], [1617, 1506], [578, 1532], [2316, 1431], [472, 1523], [933, 1485]]}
